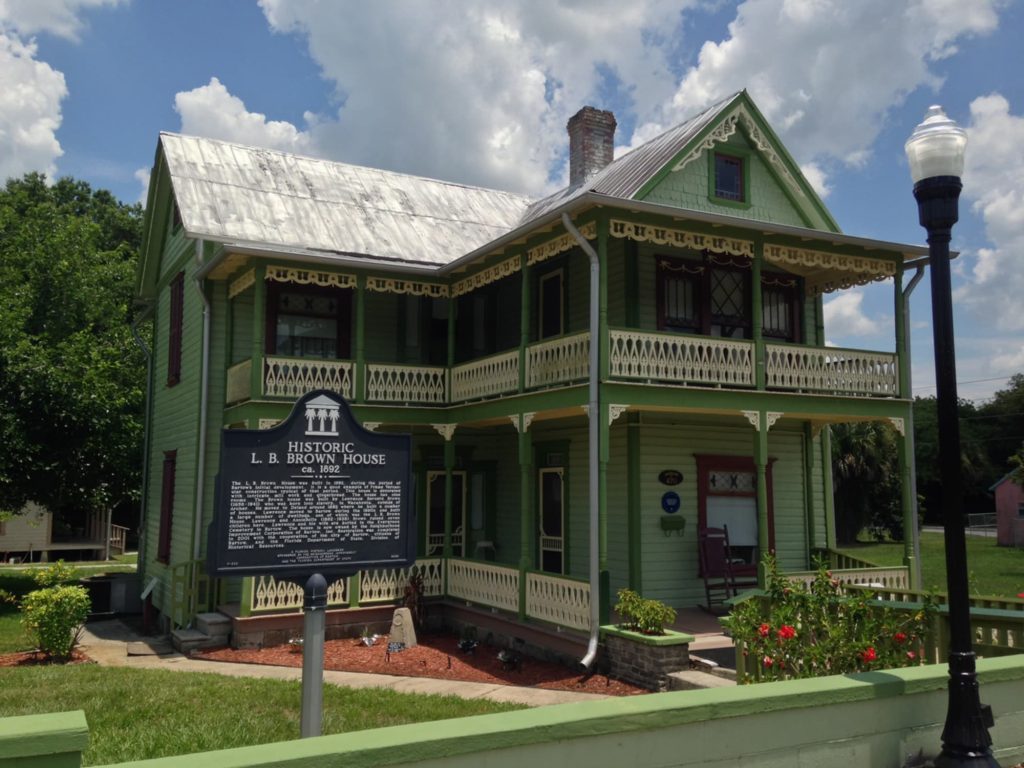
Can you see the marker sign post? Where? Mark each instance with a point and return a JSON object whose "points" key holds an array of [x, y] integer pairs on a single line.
{"points": [[315, 496]]}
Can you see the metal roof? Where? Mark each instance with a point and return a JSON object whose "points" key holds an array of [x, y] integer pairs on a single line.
{"points": [[624, 176], [234, 193]]}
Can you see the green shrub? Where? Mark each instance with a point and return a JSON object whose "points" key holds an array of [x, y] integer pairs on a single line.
{"points": [[53, 617], [642, 614], [55, 574], [797, 630]]}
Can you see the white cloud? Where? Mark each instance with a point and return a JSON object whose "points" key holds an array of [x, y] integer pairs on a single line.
{"points": [[142, 176], [212, 112], [57, 17], [31, 91], [994, 187], [30, 95], [827, 72], [845, 316], [816, 177], [478, 93]]}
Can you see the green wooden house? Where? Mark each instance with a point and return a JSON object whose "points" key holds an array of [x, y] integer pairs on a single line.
{"points": [[589, 378]]}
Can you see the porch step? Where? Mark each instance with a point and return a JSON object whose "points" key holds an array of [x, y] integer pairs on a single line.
{"points": [[693, 679], [214, 624], [187, 640]]}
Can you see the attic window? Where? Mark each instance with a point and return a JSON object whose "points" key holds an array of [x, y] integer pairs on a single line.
{"points": [[729, 178]]}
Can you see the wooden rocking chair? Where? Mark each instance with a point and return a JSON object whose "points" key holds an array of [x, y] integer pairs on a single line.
{"points": [[717, 567]]}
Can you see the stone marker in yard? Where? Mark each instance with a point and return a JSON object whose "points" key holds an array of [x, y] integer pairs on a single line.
{"points": [[402, 629]]}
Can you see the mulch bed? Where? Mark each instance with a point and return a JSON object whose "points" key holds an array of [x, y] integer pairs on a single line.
{"points": [[35, 658], [437, 656]]}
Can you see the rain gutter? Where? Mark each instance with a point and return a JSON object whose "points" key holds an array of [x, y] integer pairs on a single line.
{"points": [[204, 397], [593, 453]]}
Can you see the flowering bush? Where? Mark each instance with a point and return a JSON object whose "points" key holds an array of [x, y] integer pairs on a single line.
{"points": [[808, 631]]}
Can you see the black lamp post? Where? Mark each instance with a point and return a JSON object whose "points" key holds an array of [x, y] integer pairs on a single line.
{"points": [[935, 152]]}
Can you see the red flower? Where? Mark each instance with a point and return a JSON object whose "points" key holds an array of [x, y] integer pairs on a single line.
{"points": [[1020, 594], [911, 655], [763, 630], [787, 632], [900, 638], [767, 661], [868, 655]]}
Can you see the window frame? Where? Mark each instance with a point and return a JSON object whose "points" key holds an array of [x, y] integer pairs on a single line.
{"points": [[676, 268], [742, 158], [166, 528], [175, 328], [795, 298], [343, 316], [708, 463]]}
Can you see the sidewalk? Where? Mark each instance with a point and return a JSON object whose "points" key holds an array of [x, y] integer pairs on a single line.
{"points": [[113, 643]]}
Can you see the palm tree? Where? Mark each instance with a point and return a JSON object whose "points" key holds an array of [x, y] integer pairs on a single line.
{"points": [[865, 478]]}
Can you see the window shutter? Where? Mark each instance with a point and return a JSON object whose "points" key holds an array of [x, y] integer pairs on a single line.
{"points": [[163, 547]]}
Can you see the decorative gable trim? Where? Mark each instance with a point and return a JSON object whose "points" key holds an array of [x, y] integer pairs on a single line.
{"points": [[240, 284], [681, 238], [559, 244]]}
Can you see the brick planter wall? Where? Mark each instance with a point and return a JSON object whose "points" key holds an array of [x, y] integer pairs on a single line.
{"points": [[645, 660]]}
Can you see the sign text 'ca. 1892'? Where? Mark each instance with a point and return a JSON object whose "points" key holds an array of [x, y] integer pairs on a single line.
{"points": [[317, 493]]}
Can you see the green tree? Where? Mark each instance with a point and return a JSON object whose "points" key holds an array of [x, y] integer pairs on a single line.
{"points": [[71, 377], [865, 477]]}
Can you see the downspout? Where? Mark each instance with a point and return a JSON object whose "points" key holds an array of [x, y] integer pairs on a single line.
{"points": [[595, 421], [915, 533], [197, 534], [147, 353]]}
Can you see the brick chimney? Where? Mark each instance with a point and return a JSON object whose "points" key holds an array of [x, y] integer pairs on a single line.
{"points": [[591, 143]]}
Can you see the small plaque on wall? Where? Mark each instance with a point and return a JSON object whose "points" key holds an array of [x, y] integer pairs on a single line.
{"points": [[670, 502], [670, 477]]}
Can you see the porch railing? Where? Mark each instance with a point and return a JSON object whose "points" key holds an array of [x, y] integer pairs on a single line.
{"points": [[875, 577], [831, 370], [492, 585], [679, 359], [295, 376], [407, 384], [559, 600], [118, 539], [377, 585], [487, 377], [558, 361]]}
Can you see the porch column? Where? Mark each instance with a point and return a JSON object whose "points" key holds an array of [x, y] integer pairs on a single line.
{"points": [[524, 319], [259, 330], [359, 377], [812, 523], [761, 468], [905, 459], [525, 507], [633, 511], [449, 465], [758, 314], [826, 474]]}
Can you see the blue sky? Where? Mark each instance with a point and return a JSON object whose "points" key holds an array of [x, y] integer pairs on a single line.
{"points": [[480, 92]]}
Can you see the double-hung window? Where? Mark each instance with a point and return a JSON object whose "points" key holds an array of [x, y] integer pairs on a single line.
{"points": [[308, 321]]}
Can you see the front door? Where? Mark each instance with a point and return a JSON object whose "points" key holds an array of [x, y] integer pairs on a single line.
{"points": [[435, 514]]}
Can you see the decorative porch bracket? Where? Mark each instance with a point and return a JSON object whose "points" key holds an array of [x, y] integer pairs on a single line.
{"points": [[770, 417], [447, 431], [522, 421]]}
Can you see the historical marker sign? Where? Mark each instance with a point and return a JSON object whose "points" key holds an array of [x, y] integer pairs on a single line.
{"points": [[315, 494]]}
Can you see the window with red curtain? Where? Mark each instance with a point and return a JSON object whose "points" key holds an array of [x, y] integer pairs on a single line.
{"points": [[163, 547]]}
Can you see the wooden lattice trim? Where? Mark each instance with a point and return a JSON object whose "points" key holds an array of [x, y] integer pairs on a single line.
{"points": [[559, 244], [406, 287], [486, 277], [680, 238], [855, 270], [310, 277]]}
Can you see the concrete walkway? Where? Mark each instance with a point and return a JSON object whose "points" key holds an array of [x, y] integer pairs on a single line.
{"points": [[113, 643]]}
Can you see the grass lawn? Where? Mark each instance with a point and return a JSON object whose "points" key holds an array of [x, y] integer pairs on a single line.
{"points": [[994, 571], [135, 714]]}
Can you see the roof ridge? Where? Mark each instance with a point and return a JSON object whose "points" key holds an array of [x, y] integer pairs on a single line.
{"points": [[314, 158]]}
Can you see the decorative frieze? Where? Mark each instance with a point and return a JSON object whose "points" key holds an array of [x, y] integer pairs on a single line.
{"points": [[310, 277], [485, 277], [559, 244], [863, 268], [718, 135], [241, 283], [406, 287], [680, 238]]}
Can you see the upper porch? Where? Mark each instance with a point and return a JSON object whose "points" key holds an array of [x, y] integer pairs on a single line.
{"points": [[679, 306]]}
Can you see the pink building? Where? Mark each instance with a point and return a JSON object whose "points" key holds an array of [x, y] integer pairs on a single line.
{"points": [[1009, 512]]}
